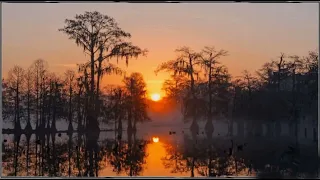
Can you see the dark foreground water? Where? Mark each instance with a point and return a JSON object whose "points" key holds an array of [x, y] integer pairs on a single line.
{"points": [[157, 151]]}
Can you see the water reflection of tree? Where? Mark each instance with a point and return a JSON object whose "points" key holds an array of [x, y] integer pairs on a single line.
{"points": [[183, 158], [277, 159], [56, 155], [174, 159], [204, 157], [127, 156]]}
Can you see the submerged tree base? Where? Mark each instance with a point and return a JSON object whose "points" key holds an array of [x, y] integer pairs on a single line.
{"points": [[194, 127], [209, 128]]}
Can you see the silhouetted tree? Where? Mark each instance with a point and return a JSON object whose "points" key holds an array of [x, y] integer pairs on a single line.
{"points": [[16, 78], [98, 33], [209, 61], [30, 97], [70, 83], [175, 87], [185, 64], [137, 106]]}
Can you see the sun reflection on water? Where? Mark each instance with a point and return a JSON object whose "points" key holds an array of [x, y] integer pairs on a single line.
{"points": [[155, 139]]}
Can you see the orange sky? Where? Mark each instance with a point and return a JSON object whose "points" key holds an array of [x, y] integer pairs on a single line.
{"points": [[252, 33]]}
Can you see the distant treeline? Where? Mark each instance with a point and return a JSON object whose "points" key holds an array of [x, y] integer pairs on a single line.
{"points": [[38, 96], [285, 89]]}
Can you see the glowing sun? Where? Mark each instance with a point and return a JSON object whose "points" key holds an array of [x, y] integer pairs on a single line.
{"points": [[155, 97], [155, 139]]}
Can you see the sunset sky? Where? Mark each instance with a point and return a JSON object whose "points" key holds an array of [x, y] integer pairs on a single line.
{"points": [[252, 33]]}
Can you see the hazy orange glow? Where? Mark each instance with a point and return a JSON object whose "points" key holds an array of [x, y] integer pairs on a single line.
{"points": [[155, 97], [155, 139]]}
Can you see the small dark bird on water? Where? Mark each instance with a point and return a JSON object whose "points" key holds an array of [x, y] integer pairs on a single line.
{"points": [[4, 140], [59, 135], [291, 148], [240, 147]]}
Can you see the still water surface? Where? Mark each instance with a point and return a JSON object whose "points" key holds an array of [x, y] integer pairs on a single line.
{"points": [[176, 153]]}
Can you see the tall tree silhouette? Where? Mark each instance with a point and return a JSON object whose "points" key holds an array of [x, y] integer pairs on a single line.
{"points": [[175, 87], [40, 70], [185, 64], [209, 61], [137, 107], [70, 83], [102, 39], [118, 97], [29, 88], [16, 78]]}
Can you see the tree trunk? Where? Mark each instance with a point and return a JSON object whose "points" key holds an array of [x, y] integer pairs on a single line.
{"points": [[269, 126], [53, 123], [258, 129], [92, 109], [28, 126], [129, 121], [69, 154], [92, 139], [240, 128], [96, 159], [119, 124], [91, 170], [16, 153], [209, 125], [79, 128], [36, 163], [194, 126], [70, 127], [134, 128], [42, 155], [27, 163], [278, 128], [78, 155], [17, 110], [37, 108], [54, 154], [192, 167]]}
